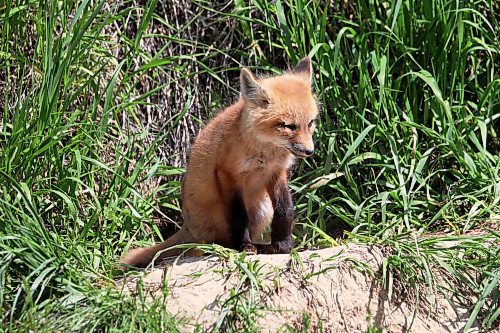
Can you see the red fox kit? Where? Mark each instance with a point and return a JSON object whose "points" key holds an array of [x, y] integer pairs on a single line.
{"points": [[236, 181]]}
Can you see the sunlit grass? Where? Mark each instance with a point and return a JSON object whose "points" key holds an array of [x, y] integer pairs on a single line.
{"points": [[408, 150]]}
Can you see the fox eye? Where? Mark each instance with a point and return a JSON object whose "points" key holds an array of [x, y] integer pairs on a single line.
{"points": [[291, 127]]}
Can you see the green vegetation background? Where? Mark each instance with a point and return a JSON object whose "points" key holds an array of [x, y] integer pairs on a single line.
{"points": [[99, 101]]}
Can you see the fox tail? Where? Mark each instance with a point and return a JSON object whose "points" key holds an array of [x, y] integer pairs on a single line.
{"points": [[141, 257]]}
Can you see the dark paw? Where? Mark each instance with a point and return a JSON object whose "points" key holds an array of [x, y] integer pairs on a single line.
{"points": [[249, 248], [284, 247], [277, 248], [267, 249]]}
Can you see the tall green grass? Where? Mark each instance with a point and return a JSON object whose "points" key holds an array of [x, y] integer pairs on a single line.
{"points": [[70, 166], [407, 144]]}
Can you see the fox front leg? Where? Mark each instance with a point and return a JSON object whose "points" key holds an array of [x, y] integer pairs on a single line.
{"points": [[281, 225]]}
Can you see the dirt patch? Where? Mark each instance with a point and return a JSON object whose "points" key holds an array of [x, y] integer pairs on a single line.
{"points": [[330, 290]]}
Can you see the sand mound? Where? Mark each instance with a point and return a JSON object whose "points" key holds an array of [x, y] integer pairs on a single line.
{"points": [[333, 290]]}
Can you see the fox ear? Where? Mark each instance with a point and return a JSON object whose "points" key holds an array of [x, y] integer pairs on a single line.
{"points": [[251, 90], [304, 69]]}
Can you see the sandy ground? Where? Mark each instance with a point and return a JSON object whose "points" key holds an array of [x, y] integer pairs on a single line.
{"points": [[335, 290]]}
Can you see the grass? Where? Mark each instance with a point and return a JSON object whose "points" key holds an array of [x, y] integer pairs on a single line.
{"points": [[99, 102]]}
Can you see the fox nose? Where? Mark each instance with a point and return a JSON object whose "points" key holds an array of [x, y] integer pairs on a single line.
{"points": [[301, 150]]}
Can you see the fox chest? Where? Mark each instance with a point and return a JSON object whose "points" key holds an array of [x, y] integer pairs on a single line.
{"points": [[255, 174], [250, 165], [262, 166]]}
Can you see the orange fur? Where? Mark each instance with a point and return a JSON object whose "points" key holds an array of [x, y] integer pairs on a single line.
{"points": [[245, 151]]}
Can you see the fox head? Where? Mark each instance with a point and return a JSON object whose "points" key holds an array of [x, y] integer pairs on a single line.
{"points": [[281, 110]]}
